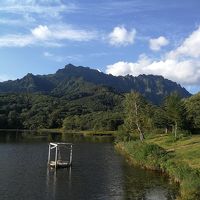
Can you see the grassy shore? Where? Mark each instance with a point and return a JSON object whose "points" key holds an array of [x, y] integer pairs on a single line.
{"points": [[186, 149], [179, 159], [78, 132]]}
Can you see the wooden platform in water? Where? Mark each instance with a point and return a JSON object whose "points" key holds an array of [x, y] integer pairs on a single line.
{"points": [[60, 164]]}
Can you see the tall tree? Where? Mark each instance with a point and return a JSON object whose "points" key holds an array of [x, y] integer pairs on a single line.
{"points": [[175, 111], [136, 117], [160, 119], [193, 111]]}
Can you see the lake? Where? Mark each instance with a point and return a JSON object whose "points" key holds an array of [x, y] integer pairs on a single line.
{"points": [[98, 173]]}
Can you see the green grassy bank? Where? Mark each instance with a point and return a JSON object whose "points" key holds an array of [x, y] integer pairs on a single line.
{"points": [[78, 132], [179, 159]]}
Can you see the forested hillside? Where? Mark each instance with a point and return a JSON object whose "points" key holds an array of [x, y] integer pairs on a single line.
{"points": [[80, 98]]}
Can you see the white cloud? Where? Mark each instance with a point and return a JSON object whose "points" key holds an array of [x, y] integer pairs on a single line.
{"points": [[47, 36], [120, 36], [4, 77], [181, 65], [16, 40], [155, 44], [47, 54], [184, 72], [54, 57], [41, 32], [62, 32], [189, 48], [5, 21], [60, 58], [67, 32], [52, 8], [23, 21], [26, 13]]}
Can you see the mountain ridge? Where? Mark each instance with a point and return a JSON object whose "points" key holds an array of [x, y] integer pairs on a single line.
{"points": [[153, 87]]}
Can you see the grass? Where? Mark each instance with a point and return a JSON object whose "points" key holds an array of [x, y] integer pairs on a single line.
{"points": [[51, 130], [91, 133], [98, 133], [180, 159], [187, 149]]}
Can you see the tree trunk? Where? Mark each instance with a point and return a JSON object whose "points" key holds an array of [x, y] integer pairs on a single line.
{"points": [[142, 136], [137, 123], [175, 129]]}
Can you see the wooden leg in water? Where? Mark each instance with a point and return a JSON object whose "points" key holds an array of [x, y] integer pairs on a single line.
{"points": [[49, 156], [70, 161], [56, 157]]}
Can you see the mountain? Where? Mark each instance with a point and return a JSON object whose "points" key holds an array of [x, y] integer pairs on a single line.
{"points": [[73, 80]]}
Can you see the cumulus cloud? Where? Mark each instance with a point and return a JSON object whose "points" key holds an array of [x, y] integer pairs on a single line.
{"points": [[181, 64], [189, 48], [155, 44], [41, 32], [184, 72], [120, 36], [47, 36]]}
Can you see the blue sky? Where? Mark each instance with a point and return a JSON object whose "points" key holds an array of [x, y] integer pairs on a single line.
{"points": [[115, 36]]}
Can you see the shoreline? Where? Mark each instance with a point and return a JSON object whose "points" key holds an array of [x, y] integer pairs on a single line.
{"points": [[188, 188]]}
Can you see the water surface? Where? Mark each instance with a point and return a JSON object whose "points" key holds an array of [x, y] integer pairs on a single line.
{"points": [[98, 172]]}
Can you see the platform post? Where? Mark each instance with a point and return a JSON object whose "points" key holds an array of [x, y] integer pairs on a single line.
{"points": [[56, 156], [70, 161], [49, 155]]}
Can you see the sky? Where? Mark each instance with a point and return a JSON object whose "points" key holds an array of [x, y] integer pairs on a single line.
{"points": [[117, 37]]}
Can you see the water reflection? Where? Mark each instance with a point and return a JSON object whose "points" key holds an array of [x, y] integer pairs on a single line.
{"points": [[147, 185], [98, 173], [55, 180], [30, 136]]}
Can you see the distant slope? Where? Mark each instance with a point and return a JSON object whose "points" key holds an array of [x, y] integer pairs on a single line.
{"points": [[29, 83], [72, 79]]}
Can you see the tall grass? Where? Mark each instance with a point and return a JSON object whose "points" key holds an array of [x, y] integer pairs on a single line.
{"points": [[154, 157]]}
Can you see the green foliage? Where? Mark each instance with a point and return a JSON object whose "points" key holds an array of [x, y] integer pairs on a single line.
{"points": [[137, 112], [146, 155], [189, 179], [76, 93], [107, 121], [152, 156], [190, 188], [193, 111], [175, 112], [33, 111], [160, 119]]}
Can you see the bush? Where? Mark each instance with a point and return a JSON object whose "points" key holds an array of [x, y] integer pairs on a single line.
{"points": [[150, 155], [154, 157]]}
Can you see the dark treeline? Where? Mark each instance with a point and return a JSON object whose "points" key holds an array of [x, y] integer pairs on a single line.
{"points": [[100, 110]]}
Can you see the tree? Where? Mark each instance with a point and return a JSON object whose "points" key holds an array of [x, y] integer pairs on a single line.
{"points": [[13, 120], [136, 114], [175, 111], [193, 111], [3, 121], [55, 120], [160, 119]]}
